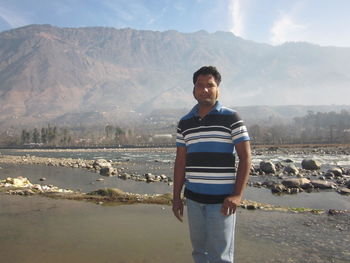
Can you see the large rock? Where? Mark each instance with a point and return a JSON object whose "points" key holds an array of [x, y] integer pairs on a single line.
{"points": [[344, 191], [17, 182], [278, 188], [310, 164], [107, 171], [291, 169], [323, 184], [347, 183], [101, 163], [150, 177], [267, 167], [336, 171], [297, 182]]}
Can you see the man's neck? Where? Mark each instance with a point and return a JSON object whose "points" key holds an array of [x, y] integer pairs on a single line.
{"points": [[203, 110]]}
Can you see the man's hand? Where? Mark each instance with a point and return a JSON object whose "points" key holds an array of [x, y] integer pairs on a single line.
{"points": [[178, 209], [230, 204]]}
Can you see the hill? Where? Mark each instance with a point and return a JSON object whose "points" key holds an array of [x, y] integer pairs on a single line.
{"points": [[99, 75]]}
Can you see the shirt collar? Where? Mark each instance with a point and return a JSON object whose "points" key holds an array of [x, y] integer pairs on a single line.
{"points": [[216, 108]]}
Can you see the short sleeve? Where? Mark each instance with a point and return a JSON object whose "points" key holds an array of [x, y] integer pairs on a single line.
{"points": [[239, 131], [180, 140]]}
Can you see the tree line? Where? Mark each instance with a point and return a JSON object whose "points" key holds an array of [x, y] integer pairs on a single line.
{"points": [[328, 127], [313, 128]]}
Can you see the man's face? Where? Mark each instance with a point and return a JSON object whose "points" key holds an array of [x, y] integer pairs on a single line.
{"points": [[206, 90]]}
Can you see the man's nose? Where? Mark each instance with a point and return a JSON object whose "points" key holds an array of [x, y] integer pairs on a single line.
{"points": [[206, 89]]}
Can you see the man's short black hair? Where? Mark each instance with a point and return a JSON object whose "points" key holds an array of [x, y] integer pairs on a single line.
{"points": [[208, 70]]}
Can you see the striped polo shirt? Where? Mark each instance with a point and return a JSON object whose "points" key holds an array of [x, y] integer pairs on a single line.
{"points": [[210, 158]]}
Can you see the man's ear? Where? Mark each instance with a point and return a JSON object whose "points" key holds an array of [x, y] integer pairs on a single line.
{"points": [[217, 93]]}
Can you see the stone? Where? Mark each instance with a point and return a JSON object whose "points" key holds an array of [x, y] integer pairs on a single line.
{"points": [[323, 184], [267, 167], [268, 184], [125, 176], [42, 179], [106, 171], [163, 177], [101, 163], [336, 171], [293, 190], [347, 183], [18, 182], [329, 175], [257, 184], [344, 191], [150, 177], [310, 164], [295, 182], [278, 188], [291, 169]]}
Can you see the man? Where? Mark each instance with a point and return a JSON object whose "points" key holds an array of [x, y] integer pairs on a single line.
{"points": [[207, 139]]}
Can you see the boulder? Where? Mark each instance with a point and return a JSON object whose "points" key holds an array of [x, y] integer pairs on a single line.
{"points": [[297, 182], [336, 171], [18, 182], [163, 177], [323, 184], [101, 163], [347, 183], [329, 175], [125, 176], [310, 164], [291, 169], [151, 177], [107, 171], [344, 191], [267, 167], [278, 188]]}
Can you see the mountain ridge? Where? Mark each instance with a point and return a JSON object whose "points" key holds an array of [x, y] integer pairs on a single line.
{"points": [[47, 72]]}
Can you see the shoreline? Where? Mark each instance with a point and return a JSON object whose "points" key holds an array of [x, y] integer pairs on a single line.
{"points": [[113, 196]]}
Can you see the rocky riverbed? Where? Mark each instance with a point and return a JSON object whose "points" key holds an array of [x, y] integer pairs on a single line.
{"points": [[282, 177]]}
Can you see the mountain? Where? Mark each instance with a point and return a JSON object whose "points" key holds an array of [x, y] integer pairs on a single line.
{"points": [[52, 74]]}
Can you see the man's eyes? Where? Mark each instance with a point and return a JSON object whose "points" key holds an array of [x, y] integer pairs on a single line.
{"points": [[205, 86]]}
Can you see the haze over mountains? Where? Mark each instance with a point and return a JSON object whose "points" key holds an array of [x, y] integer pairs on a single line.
{"points": [[65, 75]]}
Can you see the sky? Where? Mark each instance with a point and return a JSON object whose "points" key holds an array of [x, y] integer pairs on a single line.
{"points": [[322, 22]]}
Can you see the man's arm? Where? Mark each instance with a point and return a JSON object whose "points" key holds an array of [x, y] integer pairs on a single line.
{"points": [[233, 201], [179, 179]]}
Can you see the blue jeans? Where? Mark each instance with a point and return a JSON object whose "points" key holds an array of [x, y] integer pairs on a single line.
{"points": [[212, 234]]}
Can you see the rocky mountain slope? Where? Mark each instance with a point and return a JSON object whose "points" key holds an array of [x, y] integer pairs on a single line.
{"points": [[51, 74]]}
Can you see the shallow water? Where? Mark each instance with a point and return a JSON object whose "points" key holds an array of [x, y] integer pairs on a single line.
{"points": [[167, 155], [85, 181], [38, 229]]}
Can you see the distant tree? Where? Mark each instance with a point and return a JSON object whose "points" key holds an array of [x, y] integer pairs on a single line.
{"points": [[119, 135], [25, 137], [36, 136], [109, 129], [43, 135], [51, 134]]}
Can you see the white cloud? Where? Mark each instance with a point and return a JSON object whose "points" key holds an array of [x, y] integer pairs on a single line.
{"points": [[285, 29], [13, 19], [236, 17]]}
